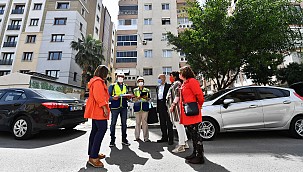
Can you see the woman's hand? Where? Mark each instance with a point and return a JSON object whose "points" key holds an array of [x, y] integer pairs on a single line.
{"points": [[171, 109], [105, 111]]}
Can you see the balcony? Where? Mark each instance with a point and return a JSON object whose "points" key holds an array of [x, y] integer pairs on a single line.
{"points": [[18, 11], [9, 44], [6, 62], [1, 12], [13, 27]]}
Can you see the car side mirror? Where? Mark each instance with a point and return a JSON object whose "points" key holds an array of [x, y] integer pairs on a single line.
{"points": [[226, 102]]}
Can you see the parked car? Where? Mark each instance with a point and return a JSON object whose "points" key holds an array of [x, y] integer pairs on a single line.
{"points": [[27, 111], [253, 108]]}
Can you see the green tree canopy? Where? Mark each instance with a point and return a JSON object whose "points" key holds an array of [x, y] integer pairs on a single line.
{"points": [[89, 55], [291, 74], [253, 38]]}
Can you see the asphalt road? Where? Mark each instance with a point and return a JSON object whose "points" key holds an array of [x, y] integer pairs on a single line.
{"points": [[66, 151]]}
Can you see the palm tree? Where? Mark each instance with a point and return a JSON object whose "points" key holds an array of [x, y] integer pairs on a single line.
{"points": [[88, 57]]}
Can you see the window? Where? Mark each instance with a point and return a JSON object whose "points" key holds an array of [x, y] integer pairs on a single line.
{"points": [[165, 6], [270, 93], [75, 76], [34, 22], [55, 55], [148, 21], [164, 37], [31, 39], [4, 72], [81, 26], [126, 60], [148, 36], [127, 40], [99, 8], [24, 71], [127, 54], [7, 59], [37, 6], [60, 21], [97, 30], [57, 37], [27, 56], [98, 18], [148, 53], [2, 9], [147, 7], [128, 22], [167, 53], [63, 5], [241, 95], [165, 21], [147, 71], [128, 10], [53, 73], [183, 20], [83, 12], [13, 95], [167, 70]]}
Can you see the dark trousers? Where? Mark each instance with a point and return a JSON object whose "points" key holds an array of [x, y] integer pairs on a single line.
{"points": [[197, 139], [123, 115], [165, 122], [97, 133]]}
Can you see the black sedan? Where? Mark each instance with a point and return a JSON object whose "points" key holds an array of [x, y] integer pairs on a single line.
{"points": [[27, 111]]}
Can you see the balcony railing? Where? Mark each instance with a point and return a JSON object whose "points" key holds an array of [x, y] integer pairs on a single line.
{"points": [[6, 62], [13, 27], [1, 12], [18, 11], [9, 44]]}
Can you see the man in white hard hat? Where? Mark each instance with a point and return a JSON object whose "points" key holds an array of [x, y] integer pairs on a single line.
{"points": [[117, 92], [141, 108]]}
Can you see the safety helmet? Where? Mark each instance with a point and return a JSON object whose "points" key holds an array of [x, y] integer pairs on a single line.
{"points": [[140, 78], [120, 74]]}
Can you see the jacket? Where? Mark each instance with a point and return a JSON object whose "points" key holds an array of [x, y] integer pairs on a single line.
{"points": [[191, 92], [141, 105], [173, 92], [116, 90], [98, 97]]}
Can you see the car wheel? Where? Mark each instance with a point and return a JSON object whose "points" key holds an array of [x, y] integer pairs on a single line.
{"points": [[22, 128], [208, 129], [296, 127]]}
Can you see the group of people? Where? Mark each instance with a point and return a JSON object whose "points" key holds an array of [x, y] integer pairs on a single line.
{"points": [[171, 101]]}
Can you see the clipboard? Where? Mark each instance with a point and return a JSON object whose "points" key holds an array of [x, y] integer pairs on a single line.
{"points": [[142, 94]]}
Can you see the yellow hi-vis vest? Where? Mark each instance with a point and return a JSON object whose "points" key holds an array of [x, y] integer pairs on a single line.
{"points": [[115, 104], [142, 105]]}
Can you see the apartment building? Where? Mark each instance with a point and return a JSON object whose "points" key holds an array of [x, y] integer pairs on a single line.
{"points": [[35, 35], [142, 48]]}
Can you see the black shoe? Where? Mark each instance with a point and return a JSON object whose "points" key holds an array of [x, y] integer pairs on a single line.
{"points": [[193, 155], [196, 160], [162, 140], [170, 142]]}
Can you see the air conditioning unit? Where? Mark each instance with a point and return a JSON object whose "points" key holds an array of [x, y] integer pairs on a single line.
{"points": [[144, 42]]}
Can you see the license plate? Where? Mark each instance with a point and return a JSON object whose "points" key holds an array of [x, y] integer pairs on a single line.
{"points": [[76, 108]]}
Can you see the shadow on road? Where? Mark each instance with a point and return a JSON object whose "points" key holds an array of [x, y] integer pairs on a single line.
{"points": [[124, 158], [153, 148], [89, 168], [44, 138]]}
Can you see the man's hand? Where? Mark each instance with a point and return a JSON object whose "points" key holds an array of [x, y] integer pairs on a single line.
{"points": [[115, 97]]}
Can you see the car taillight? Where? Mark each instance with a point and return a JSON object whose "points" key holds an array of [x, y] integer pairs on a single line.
{"points": [[54, 105], [300, 97]]}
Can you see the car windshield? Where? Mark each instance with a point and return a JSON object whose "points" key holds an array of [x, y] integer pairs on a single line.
{"points": [[216, 95], [54, 95]]}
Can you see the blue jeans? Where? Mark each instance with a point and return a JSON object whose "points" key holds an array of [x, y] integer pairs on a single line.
{"points": [[123, 115], [97, 133]]}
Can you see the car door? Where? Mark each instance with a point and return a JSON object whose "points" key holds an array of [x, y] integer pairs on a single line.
{"points": [[244, 113], [1, 111], [10, 102], [277, 106]]}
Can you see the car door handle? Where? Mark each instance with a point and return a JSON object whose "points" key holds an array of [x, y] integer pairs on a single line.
{"points": [[17, 104], [253, 106], [287, 102]]}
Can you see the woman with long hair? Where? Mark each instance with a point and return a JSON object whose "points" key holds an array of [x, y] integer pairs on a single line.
{"points": [[97, 109], [172, 103], [191, 94]]}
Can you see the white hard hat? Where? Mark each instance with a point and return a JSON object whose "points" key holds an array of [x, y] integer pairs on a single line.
{"points": [[120, 74], [140, 78]]}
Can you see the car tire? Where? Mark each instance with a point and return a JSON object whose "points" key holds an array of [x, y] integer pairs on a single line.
{"points": [[22, 128], [296, 127], [208, 129]]}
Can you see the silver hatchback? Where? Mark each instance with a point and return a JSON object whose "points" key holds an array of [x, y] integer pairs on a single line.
{"points": [[253, 108]]}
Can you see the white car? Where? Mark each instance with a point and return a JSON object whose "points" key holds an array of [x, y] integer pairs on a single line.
{"points": [[253, 108]]}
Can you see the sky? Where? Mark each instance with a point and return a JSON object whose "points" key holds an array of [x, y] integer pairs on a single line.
{"points": [[112, 6]]}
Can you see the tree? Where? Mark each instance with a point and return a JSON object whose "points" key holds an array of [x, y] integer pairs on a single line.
{"points": [[252, 38], [291, 74], [88, 57]]}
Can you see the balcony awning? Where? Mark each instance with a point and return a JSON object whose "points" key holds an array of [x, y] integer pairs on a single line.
{"points": [[122, 71]]}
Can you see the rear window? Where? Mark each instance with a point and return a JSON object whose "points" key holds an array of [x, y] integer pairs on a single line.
{"points": [[54, 95], [270, 93]]}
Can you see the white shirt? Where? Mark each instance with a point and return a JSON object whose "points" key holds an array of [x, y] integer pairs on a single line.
{"points": [[161, 91]]}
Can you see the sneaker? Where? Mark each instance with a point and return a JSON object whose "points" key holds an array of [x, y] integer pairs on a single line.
{"points": [[179, 149], [125, 143], [186, 145], [112, 144]]}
